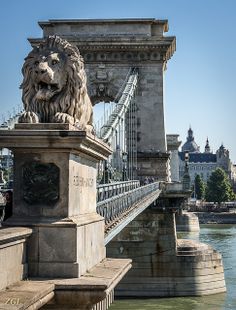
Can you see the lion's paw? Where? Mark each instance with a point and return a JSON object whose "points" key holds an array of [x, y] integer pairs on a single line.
{"points": [[63, 118], [28, 117], [90, 129]]}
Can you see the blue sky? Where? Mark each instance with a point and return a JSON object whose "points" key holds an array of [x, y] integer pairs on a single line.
{"points": [[200, 84]]}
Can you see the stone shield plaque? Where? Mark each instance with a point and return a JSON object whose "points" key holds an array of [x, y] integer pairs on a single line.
{"points": [[40, 183]]}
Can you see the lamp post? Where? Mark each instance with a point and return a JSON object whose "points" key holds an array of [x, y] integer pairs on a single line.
{"points": [[186, 176], [105, 176], [124, 168]]}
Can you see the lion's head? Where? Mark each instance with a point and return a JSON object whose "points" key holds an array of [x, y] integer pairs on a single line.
{"points": [[54, 85]]}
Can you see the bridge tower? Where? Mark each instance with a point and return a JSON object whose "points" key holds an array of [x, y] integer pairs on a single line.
{"points": [[110, 48]]}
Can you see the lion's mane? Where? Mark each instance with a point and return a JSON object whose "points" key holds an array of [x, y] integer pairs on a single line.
{"points": [[73, 98]]}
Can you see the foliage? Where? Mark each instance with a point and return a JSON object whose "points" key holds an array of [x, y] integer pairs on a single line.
{"points": [[199, 187], [8, 174], [219, 188]]}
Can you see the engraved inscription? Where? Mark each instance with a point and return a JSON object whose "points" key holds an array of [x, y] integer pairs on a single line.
{"points": [[83, 182], [40, 183], [12, 301]]}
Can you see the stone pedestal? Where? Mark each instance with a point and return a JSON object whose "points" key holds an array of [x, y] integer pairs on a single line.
{"points": [[55, 194]]}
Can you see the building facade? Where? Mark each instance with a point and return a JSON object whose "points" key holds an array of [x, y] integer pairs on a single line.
{"points": [[203, 163]]}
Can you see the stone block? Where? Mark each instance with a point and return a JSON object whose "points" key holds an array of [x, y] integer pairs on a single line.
{"points": [[33, 245], [26, 295], [50, 243], [58, 269], [13, 260], [67, 248], [82, 185]]}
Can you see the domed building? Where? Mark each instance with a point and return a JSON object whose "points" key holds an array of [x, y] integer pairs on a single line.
{"points": [[190, 145], [203, 163]]}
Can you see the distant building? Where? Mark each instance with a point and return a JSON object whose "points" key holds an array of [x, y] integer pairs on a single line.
{"points": [[204, 163], [6, 168], [233, 177], [6, 160]]}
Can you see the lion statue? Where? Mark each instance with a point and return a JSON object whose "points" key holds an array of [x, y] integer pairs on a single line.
{"points": [[54, 86]]}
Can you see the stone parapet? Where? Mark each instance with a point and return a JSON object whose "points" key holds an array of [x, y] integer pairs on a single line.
{"points": [[13, 257]]}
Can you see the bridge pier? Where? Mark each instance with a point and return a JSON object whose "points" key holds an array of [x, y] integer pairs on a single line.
{"points": [[186, 221], [164, 266]]}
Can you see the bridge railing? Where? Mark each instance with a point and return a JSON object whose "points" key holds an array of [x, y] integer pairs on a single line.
{"points": [[118, 206], [106, 191]]}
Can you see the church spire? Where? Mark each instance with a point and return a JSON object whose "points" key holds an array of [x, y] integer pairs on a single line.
{"points": [[190, 136], [207, 146]]}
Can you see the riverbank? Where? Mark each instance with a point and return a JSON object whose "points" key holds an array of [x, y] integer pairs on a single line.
{"points": [[216, 218]]}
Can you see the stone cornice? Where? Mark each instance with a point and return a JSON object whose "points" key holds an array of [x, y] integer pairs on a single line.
{"points": [[166, 46], [74, 141], [104, 21], [113, 35], [150, 21]]}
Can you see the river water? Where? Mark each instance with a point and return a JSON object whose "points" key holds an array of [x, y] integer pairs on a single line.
{"points": [[223, 239]]}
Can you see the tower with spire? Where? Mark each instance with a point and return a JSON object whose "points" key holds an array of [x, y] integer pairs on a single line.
{"points": [[207, 147], [190, 145], [222, 155]]}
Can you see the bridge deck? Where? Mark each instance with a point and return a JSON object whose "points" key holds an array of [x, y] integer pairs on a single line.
{"points": [[121, 209]]}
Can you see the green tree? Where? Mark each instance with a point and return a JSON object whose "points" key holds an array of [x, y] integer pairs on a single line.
{"points": [[219, 188], [8, 174], [199, 187]]}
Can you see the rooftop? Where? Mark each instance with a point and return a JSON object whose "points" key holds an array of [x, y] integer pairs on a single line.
{"points": [[199, 157]]}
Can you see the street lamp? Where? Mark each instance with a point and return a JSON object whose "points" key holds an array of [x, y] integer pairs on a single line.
{"points": [[124, 168], [105, 175], [186, 157], [186, 176]]}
